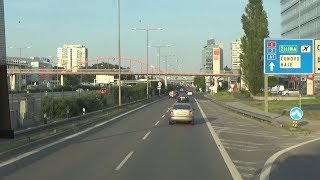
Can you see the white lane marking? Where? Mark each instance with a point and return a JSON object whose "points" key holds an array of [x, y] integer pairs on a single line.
{"points": [[24, 155], [246, 162], [145, 136], [241, 129], [232, 168], [157, 123], [246, 168], [268, 164], [248, 149], [243, 142], [124, 161], [248, 134], [240, 145], [18, 158], [163, 116], [247, 176]]}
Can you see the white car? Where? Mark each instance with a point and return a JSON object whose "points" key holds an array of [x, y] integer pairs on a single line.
{"points": [[290, 92], [189, 93]]}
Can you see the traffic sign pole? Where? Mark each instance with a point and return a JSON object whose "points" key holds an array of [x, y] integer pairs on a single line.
{"points": [[266, 102]]}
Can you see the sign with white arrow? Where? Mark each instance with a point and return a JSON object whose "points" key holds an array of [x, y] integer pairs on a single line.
{"points": [[296, 113], [271, 65], [288, 56]]}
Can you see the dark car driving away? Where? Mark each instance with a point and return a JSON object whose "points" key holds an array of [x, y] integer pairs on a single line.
{"points": [[183, 98]]}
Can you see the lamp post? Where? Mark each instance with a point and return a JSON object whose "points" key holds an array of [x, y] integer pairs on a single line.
{"points": [[57, 78], [119, 54], [159, 48], [20, 55], [166, 61], [147, 32]]}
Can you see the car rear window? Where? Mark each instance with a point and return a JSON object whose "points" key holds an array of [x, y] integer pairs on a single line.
{"points": [[181, 106]]}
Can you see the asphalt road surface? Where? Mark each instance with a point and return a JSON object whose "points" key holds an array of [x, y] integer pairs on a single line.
{"points": [[299, 163], [141, 145]]}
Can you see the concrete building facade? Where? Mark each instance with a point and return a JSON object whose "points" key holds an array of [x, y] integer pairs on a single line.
{"points": [[72, 57]]}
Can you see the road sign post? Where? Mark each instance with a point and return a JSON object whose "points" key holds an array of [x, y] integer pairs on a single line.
{"points": [[159, 87], [287, 57]]}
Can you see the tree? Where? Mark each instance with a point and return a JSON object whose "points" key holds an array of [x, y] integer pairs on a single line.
{"points": [[199, 82], [226, 68], [255, 26]]}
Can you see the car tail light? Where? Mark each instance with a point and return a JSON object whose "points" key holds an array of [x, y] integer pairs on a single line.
{"points": [[190, 113]]}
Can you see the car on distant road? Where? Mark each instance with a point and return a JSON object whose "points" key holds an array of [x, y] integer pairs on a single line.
{"points": [[189, 93], [172, 94], [104, 91], [290, 92], [181, 112], [79, 90], [183, 98]]}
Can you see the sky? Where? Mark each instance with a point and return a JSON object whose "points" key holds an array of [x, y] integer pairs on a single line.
{"points": [[47, 24]]}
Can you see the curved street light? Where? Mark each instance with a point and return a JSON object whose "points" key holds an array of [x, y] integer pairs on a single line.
{"points": [[147, 32]]}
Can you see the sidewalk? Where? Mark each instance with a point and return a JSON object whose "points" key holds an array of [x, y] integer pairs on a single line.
{"points": [[277, 119]]}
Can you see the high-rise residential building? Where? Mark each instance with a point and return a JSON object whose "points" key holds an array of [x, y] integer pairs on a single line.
{"points": [[212, 60], [212, 57], [235, 54], [72, 57]]}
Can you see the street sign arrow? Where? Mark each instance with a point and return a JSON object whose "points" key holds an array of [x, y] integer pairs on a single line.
{"points": [[271, 65]]}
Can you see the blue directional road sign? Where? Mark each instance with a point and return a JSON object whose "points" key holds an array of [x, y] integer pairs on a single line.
{"points": [[288, 56], [296, 113]]}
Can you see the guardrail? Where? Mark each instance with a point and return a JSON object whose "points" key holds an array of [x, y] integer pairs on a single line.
{"points": [[245, 112], [60, 123]]}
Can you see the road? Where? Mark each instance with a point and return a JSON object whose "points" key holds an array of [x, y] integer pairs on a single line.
{"points": [[141, 145], [299, 163]]}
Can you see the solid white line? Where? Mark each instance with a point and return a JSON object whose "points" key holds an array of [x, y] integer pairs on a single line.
{"points": [[157, 123], [124, 161], [18, 158], [232, 168], [243, 142], [67, 138], [145, 136], [268, 164]]}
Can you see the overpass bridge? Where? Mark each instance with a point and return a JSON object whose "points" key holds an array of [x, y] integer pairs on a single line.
{"points": [[143, 71]]}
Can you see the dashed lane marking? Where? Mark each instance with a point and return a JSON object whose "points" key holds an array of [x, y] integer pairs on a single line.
{"points": [[124, 161]]}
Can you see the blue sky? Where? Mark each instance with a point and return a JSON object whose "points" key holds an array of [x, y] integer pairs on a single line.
{"points": [[47, 24]]}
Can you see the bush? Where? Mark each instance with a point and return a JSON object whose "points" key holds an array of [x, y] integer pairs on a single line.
{"points": [[57, 107]]}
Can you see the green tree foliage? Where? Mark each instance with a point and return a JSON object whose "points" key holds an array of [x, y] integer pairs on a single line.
{"points": [[255, 26], [199, 82], [272, 81]]}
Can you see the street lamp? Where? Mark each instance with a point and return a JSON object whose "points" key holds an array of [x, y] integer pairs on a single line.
{"points": [[159, 47], [57, 78], [119, 54], [20, 49], [147, 32], [166, 61]]}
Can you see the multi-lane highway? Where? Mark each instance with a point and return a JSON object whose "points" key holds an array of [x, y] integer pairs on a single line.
{"points": [[142, 145]]}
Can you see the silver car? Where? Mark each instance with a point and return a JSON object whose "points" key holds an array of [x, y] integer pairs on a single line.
{"points": [[181, 112]]}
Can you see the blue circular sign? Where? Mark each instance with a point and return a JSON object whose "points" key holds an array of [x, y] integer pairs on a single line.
{"points": [[296, 113]]}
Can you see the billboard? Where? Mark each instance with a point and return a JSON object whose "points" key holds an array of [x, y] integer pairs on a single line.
{"points": [[104, 79]]}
